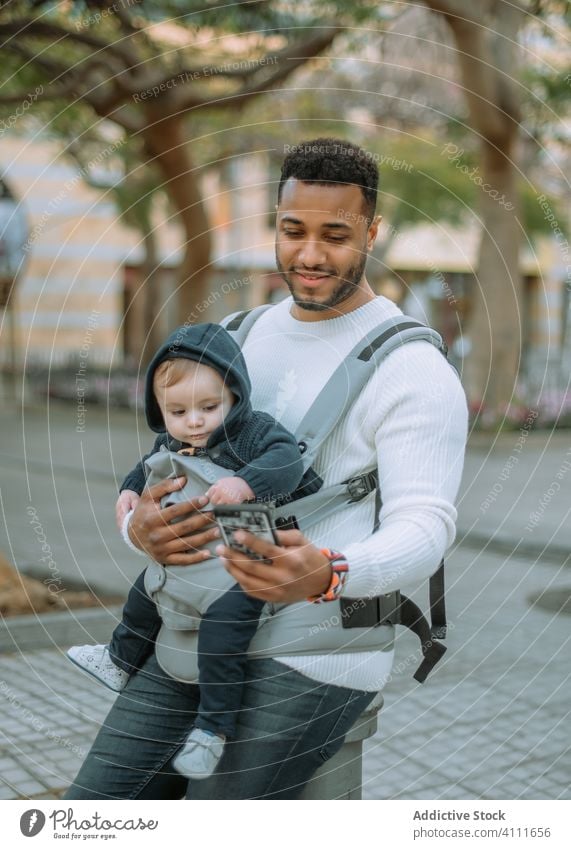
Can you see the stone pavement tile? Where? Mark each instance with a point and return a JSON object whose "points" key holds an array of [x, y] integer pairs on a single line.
{"points": [[561, 792], [492, 788], [426, 793], [29, 788], [17, 773], [66, 753], [560, 772], [52, 776], [532, 770], [7, 792], [458, 791], [406, 772], [534, 780]]}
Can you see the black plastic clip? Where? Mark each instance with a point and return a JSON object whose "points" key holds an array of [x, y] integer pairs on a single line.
{"points": [[360, 486]]}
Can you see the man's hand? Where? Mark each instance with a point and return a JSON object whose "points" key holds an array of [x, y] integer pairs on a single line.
{"points": [[127, 501], [230, 490], [297, 570], [178, 544]]}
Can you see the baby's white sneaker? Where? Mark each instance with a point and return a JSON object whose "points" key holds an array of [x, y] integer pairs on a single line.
{"points": [[97, 661], [200, 754]]}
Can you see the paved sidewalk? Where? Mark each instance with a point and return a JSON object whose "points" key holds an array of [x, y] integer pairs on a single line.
{"points": [[492, 722]]}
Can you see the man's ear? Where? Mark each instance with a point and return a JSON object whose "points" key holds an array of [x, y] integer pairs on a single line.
{"points": [[372, 231]]}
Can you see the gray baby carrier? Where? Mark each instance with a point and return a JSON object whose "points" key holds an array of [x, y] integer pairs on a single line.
{"points": [[183, 593]]}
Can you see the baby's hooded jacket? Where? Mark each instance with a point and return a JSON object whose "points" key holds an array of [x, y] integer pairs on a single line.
{"points": [[248, 442]]}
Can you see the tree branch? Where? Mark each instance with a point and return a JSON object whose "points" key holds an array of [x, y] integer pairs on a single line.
{"points": [[456, 9], [43, 29], [130, 27], [289, 60], [45, 63]]}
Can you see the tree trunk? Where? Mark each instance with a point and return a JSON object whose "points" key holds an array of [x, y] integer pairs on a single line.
{"points": [[153, 298], [486, 37], [166, 142], [495, 324]]}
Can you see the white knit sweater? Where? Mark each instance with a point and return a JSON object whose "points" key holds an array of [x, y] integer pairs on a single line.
{"points": [[411, 419]]}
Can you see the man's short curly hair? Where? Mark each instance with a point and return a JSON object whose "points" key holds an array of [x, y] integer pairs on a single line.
{"points": [[336, 162]]}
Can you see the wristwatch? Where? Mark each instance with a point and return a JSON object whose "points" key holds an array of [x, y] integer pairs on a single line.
{"points": [[339, 575]]}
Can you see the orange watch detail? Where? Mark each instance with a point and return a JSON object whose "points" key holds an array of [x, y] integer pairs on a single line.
{"points": [[339, 575]]}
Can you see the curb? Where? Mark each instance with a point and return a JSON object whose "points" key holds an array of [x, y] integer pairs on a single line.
{"points": [[70, 627], [507, 545]]}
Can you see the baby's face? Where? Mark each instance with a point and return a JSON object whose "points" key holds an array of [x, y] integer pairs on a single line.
{"points": [[195, 406]]}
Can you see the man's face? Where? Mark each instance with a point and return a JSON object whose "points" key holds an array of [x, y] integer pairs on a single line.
{"points": [[322, 241]]}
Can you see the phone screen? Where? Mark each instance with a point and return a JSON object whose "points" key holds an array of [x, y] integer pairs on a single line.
{"points": [[252, 518]]}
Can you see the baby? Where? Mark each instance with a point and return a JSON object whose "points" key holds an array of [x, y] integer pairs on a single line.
{"points": [[197, 398]]}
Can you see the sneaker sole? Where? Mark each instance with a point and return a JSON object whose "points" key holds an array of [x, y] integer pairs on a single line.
{"points": [[93, 675]]}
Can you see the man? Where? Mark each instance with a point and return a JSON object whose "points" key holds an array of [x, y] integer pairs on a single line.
{"points": [[410, 420]]}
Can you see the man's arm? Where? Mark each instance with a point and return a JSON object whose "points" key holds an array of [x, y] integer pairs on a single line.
{"points": [[420, 442]]}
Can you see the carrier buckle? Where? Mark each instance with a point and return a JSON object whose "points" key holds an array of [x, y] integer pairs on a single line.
{"points": [[361, 485]]}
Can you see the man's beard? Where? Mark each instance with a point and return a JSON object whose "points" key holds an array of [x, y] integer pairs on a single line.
{"points": [[344, 290]]}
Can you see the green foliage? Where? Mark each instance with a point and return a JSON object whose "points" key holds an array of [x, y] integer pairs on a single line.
{"points": [[418, 179]]}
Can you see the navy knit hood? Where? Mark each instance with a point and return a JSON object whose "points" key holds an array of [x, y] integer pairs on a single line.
{"points": [[210, 345]]}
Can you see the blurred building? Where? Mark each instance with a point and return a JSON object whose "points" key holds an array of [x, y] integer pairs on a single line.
{"points": [[78, 291]]}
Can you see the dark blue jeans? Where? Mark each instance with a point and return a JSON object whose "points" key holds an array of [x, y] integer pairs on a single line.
{"points": [[288, 726]]}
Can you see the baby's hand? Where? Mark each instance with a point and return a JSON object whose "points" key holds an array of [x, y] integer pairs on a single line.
{"points": [[128, 500], [231, 490]]}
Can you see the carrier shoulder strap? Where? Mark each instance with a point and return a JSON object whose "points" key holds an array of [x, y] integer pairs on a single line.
{"points": [[241, 323], [349, 378], [336, 397]]}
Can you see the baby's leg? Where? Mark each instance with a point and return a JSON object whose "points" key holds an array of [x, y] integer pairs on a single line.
{"points": [[225, 633], [133, 640], [224, 636]]}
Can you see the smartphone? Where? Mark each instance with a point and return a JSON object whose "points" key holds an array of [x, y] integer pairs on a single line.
{"points": [[255, 518]]}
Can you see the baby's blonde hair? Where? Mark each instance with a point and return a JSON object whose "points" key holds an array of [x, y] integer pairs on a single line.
{"points": [[170, 372]]}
